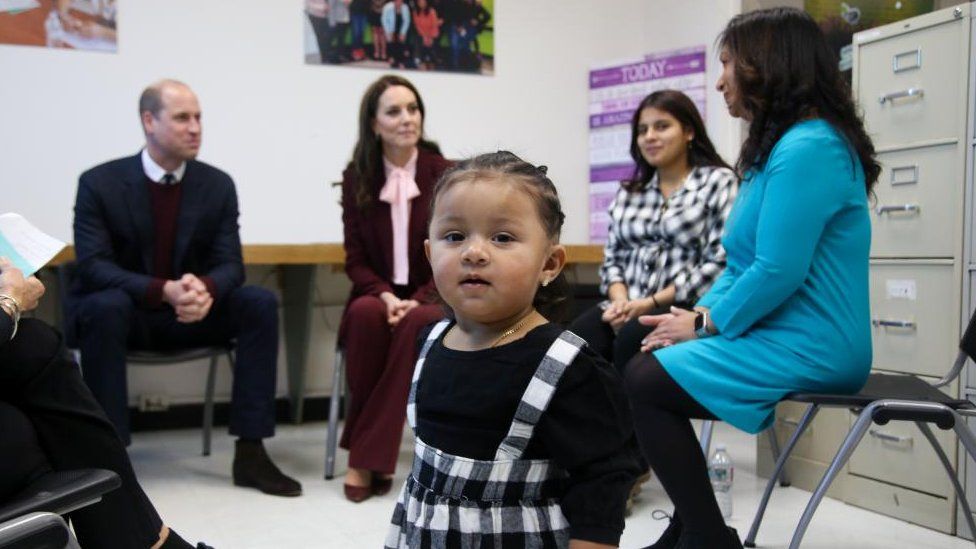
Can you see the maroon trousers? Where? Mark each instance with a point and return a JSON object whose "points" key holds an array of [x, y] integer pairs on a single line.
{"points": [[379, 366]]}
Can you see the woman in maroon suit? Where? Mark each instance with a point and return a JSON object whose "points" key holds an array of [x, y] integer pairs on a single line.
{"points": [[386, 193]]}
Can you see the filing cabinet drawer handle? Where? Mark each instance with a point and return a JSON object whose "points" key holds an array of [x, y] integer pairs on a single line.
{"points": [[910, 92], [888, 437], [893, 323], [881, 210], [913, 169], [917, 53]]}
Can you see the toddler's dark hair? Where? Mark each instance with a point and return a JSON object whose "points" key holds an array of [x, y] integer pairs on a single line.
{"points": [[505, 166]]}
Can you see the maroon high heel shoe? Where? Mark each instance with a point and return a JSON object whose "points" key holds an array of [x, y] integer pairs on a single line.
{"points": [[356, 494], [380, 486]]}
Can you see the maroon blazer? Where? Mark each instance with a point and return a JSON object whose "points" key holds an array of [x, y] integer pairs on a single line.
{"points": [[368, 235]]}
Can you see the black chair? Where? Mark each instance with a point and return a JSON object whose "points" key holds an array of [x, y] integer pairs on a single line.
{"points": [[26, 520], [884, 398], [151, 358], [179, 356], [338, 389]]}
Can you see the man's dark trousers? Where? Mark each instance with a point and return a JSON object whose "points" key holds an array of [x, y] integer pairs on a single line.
{"points": [[109, 323]]}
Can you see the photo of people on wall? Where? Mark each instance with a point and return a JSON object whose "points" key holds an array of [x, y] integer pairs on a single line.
{"points": [[428, 35], [71, 24]]}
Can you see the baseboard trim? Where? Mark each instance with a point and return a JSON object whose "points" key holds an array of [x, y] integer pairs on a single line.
{"points": [[186, 416]]}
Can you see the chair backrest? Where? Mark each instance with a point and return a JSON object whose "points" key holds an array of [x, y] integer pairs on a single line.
{"points": [[967, 348], [968, 342]]}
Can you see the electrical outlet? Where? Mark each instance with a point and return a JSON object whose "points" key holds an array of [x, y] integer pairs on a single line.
{"points": [[153, 403]]}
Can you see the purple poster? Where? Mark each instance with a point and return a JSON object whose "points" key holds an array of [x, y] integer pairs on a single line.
{"points": [[615, 91]]}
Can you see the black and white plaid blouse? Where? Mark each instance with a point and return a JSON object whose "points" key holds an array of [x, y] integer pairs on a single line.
{"points": [[654, 242]]}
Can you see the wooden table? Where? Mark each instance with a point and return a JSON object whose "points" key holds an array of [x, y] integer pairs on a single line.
{"points": [[331, 253], [298, 264]]}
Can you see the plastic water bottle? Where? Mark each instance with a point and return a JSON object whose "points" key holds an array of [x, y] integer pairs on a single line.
{"points": [[722, 473]]}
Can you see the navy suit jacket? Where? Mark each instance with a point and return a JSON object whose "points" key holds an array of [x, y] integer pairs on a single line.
{"points": [[113, 229]]}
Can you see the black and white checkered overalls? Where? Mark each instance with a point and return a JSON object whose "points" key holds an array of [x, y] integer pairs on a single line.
{"points": [[453, 501]]}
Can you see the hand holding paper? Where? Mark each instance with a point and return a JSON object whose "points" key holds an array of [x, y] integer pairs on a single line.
{"points": [[27, 291]]}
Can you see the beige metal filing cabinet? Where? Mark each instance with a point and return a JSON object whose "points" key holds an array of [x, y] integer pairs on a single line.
{"points": [[969, 253], [913, 81]]}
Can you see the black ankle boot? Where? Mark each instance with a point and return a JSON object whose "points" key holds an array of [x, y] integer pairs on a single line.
{"points": [[669, 538], [253, 468], [174, 541], [729, 539]]}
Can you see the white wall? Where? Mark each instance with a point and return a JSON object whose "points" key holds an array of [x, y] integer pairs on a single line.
{"points": [[284, 130], [672, 24]]}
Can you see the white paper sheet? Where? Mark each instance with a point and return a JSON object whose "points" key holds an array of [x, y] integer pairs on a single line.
{"points": [[25, 245]]}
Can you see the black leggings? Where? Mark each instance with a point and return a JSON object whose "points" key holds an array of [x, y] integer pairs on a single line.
{"points": [[618, 348], [661, 420]]}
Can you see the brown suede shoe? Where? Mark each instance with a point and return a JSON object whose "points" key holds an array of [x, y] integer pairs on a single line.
{"points": [[253, 468]]}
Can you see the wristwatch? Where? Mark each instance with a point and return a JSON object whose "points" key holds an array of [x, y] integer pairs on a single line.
{"points": [[701, 325]]}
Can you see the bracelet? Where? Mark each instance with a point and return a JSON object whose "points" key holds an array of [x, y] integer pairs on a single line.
{"points": [[9, 304], [656, 304]]}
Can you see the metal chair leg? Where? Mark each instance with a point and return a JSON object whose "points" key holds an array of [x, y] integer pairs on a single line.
{"points": [[843, 454], [208, 405], [332, 432], [969, 443], [805, 422], [965, 435], [784, 479], [708, 426], [960, 493]]}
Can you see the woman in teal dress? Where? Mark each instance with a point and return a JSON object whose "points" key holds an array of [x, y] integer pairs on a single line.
{"points": [[790, 311]]}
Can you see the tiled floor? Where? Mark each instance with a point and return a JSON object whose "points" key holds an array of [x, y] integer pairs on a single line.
{"points": [[195, 496]]}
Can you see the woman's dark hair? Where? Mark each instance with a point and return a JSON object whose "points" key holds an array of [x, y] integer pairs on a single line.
{"points": [[367, 157], [504, 166], [701, 151], [785, 72]]}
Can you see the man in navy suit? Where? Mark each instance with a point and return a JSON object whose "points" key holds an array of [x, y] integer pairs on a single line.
{"points": [[159, 266]]}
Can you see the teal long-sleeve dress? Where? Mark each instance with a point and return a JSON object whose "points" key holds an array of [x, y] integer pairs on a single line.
{"points": [[792, 306]]}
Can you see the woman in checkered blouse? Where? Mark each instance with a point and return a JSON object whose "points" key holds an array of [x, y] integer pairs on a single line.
{"points": [[524, 436], [664, 245]]}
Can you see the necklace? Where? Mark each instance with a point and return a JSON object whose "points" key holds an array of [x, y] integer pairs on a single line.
{"points": [[518, 326], [510, 331]]}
